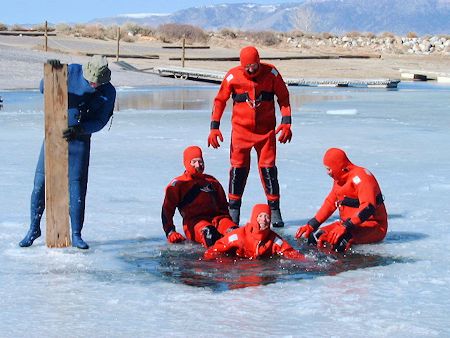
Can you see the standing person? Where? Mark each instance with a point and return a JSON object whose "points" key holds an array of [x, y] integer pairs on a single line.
{"points": [[254, 240], [91, 104], [253, 86], [357, 195], [201, 201]]}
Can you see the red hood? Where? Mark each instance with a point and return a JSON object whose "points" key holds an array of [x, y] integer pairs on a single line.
{"points": [[249, 55], [253, 224], [189, 154], [337, 160]]}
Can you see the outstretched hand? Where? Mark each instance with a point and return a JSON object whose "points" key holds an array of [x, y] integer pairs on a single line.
{"points": [[304, 231]]}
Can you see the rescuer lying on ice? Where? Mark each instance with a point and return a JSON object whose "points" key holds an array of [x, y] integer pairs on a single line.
{"points": [[357, 195], [201, 201], [254, 240]]}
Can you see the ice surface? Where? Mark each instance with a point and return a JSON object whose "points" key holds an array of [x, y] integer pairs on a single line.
{"points": [[130, 283]]}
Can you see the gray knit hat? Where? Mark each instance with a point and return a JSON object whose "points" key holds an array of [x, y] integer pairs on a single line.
{"points": [[96, 70]]}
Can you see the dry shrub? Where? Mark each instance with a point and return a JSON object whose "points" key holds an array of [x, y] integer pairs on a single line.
{"points": [[63, 29], [3, 27], [175, 32], [296, 34], [387, 35], [94, 32], [138, 30], [41, 28], [18, 28], [266, 38], [228, 33], [353, 34], [411, 35], [369, 35], [111, 32], [326, 35]]}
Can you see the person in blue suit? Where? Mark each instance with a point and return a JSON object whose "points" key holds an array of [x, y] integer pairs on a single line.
{"points": [[91, 104]]}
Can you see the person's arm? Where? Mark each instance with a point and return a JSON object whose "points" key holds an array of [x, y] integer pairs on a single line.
{"points": [[99, 109], [220, 102], [282, 93], [168, 208], [284, 249], [328, 207], [325, 211], [221, 98], [227, 243]]}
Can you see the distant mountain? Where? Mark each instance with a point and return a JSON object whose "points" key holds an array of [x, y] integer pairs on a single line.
{"points": [[334, 16]]}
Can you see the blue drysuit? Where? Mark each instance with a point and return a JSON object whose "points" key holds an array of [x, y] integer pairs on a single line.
{"points": [[91, 109]]}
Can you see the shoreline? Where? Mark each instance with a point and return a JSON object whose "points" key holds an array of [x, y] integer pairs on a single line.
{"points": [[22, 59]]}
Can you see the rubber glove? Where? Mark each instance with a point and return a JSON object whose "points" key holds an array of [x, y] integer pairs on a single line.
{"points": [[286, 133], [175, 237]]}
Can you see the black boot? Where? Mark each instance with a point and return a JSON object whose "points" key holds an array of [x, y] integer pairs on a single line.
{"points": [[235, 210], [32, 234], [276, 219], [210, 235]]}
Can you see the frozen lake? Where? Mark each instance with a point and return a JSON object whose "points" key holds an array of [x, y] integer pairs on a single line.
{"points": [[132, 284]]}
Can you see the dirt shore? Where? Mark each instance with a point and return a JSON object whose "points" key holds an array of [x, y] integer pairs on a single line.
{"points": [[21, 60]]}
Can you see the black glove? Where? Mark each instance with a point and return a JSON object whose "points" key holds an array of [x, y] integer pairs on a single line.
{"points": [[72, 133], [54, 63]]}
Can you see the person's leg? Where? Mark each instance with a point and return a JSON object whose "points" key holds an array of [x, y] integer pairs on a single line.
{"points": [[225, 225], [266, 150], [240, 167], [78, 178], [206, 234], [369, 232], [37, 204]]}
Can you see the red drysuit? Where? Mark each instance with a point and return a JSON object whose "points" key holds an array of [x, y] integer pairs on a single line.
{"points": [[253, 123], [200, 200], [251, 242], [358, 197]]}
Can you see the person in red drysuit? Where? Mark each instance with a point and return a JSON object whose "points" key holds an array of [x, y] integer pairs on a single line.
{"points": [[201, 201], [253, 86], [357, 195], [254, 240]]}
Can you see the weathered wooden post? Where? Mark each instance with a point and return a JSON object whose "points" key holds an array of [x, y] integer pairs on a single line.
{"points": [[56, 156], [183, 53], [118, 39], [46, 36]]}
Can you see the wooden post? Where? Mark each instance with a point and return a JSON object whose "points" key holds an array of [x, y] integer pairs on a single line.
{"points": [[118, 39], [46, 36], [183, 52], [56, 157]]}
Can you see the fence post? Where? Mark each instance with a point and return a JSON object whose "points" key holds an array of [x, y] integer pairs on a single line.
{"points": [[118, 39], [56, 157], [46, 36], [183, 53]]}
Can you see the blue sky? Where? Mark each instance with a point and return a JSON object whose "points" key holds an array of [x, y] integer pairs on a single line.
{"points": [[57, 11]]}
